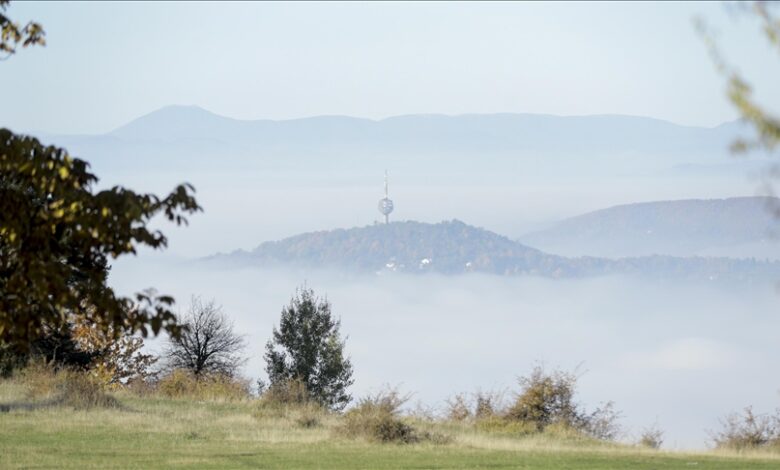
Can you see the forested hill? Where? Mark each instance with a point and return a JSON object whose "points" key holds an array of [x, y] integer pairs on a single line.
{"points": [[454, 247], [735, 227]]}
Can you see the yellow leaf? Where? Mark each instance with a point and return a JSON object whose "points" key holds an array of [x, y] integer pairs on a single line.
{"points": [[64, 172]]}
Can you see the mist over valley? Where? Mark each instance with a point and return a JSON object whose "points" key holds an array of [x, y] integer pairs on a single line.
{"points": [[659, 324]]}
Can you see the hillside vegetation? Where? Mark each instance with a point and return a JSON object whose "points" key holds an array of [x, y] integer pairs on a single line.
{"points": [[154, 431], [454, 247]]}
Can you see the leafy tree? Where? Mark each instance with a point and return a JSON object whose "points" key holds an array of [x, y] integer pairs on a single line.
{"points": [[207, 345], [57, 236], [765, 124], [12, 34], [307, 347]]}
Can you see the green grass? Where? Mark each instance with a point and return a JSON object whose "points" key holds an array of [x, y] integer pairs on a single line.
{"points": [[159, 433]]}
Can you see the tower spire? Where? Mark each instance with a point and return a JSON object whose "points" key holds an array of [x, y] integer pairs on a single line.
{"points": [[386, 204]]}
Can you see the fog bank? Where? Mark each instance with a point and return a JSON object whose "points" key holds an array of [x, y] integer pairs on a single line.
{"points": [[680, 355]]}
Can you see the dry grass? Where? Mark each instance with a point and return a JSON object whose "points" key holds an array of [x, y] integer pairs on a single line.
{"points": [[157, 432]]}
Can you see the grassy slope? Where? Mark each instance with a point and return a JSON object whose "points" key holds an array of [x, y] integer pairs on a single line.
{"points": [[154, 433]]}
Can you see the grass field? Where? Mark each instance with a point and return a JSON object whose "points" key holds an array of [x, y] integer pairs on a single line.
{"points": [[164, 433]]}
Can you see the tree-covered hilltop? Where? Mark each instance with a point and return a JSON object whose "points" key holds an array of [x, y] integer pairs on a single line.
{"points": [[454, 247]]}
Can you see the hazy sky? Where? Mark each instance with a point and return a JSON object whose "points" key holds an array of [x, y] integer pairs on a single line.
{"points": [[107, 63]]}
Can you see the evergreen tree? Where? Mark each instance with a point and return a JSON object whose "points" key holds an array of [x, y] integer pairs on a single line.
{"points": [[307, 347]]}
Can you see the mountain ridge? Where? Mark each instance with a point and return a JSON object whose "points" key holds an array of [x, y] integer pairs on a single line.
{"points": [[195, 111], [465, 148]]}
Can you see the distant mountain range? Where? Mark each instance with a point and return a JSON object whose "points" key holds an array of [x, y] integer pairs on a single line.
{"points": [[455, 247], [470, 147], [736, 227]]}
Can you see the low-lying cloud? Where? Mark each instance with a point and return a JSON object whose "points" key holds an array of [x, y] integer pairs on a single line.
{"points": [[683, 355]]}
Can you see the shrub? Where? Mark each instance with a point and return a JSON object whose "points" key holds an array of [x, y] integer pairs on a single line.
{"points": [[481, 405], [458, 408], [377, 418], [308, 417], [66, 387], [290, 399], [376, 424], [39, 380], [602, 423], [547, 399], [748, 431], [487, 404], [652, 437], [216, 387], [82, 391], [286, 393]]}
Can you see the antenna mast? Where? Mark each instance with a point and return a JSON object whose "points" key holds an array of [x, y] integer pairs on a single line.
{"points": [[386, 204]]}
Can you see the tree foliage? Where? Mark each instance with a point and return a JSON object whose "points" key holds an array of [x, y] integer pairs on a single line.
{"points": [[57, 236], [307, 347], [207, 344], [741, 94], [13, 34]]}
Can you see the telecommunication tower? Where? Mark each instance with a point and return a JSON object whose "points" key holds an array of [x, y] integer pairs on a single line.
{"points": [[386, 204]]}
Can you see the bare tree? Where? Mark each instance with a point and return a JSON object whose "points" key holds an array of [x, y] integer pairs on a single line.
{"points": [[207, 344]]}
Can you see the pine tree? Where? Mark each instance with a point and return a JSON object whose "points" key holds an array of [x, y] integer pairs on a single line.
{"points": [[307, 347]]}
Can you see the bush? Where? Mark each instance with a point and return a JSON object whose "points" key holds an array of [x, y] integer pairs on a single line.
{"points": [[748, 431], [458, 408], [487, 404], [182, 384], [64, 387], [309, 417], [652, 437], [481, 405], [547, 399], [286, 393], [377, 418], [82, 391], [602, 423], [290, 399]]}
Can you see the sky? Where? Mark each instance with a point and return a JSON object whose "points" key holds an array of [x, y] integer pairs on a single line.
{"points": [[108, 63]]}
